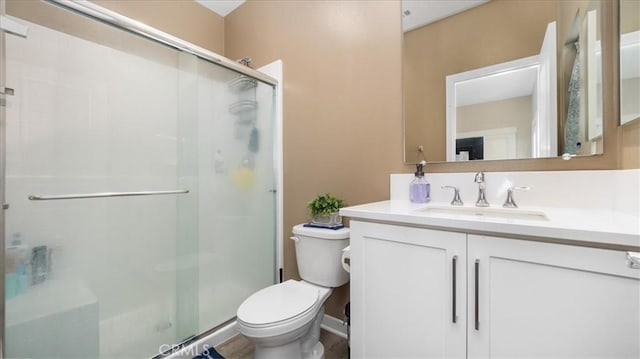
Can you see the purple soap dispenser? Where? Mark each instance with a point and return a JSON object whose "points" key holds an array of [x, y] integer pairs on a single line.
{"points": [[419, 189]]}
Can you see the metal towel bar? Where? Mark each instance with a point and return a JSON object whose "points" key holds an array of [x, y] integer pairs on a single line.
{"points": [[106, 194]]}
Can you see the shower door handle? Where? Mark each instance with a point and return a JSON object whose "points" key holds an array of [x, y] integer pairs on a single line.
{"points": [[105, 194]]}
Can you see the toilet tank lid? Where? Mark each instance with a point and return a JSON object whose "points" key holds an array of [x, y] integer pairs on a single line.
{"points": [[324, 233]]}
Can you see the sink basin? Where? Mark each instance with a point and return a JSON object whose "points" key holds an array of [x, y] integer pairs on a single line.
{"points": [[488, 212]]}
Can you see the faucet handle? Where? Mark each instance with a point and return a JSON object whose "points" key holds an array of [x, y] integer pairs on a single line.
{"points": [[509, 202], [456, 201]]}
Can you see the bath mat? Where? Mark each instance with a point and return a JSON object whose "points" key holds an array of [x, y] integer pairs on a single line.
{"points": [[210, 353]]}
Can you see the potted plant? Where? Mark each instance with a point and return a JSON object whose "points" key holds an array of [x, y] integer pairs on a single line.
{"points": [[324, 210]]}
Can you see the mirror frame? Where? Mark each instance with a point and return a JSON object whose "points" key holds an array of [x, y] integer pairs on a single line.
{"points": [[611, 156]]}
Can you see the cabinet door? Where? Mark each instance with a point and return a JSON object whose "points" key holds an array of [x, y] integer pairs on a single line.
{"points": [[543, 300], [402, 292]]}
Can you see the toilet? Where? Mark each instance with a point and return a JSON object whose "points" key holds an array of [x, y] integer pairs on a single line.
{"points": [[283, 320]]}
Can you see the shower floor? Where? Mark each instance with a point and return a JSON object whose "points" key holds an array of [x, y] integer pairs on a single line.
{"points": [[335, 347]]}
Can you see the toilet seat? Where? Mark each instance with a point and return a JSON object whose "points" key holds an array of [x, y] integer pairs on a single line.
{"points": [[279, 308], [277, 303]]}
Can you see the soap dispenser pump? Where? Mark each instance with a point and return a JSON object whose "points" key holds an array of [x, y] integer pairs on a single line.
{"points": [[420, 189]]}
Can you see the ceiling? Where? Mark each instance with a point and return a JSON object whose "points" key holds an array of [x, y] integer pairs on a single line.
{"points": [[415, 13], [221, 7], [423, 12], [496, 87]]}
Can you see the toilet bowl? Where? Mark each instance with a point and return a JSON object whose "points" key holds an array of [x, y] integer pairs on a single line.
{"points": [[283, 320]]}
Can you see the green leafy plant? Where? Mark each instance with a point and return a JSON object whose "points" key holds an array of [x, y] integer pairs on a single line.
{"points": [[325, 205]]}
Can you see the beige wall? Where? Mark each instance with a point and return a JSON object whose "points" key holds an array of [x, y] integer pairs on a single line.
{"points": [[630, 147], [514, 112], [499, 31], [629, 15], [342, 99]]}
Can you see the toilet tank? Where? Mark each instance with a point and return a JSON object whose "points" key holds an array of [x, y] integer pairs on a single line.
{"points": [[318, 253]]}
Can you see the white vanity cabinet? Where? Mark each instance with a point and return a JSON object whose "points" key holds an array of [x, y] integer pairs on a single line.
{"points": [[548, 300], [513, 298], [404, 292]]}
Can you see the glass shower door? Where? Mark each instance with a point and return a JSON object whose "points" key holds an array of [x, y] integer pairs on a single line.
{"points": [[237, 232], [141, 188], [90, 270]]}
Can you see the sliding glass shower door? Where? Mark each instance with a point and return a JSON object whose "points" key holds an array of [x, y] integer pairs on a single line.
{"points": [[237, 191], [95, 275], [140, 185]]}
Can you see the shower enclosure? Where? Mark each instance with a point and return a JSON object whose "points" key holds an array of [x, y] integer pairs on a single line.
{"points": [[139, 185]]}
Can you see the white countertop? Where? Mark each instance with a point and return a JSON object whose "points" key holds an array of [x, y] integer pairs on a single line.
{"points": [[575, 224]]}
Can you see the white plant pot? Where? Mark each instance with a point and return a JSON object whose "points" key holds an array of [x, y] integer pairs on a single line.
{"points": [[331, 220]]}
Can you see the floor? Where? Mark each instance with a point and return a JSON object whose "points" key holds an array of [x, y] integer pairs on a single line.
{"points": [[239, 347]]}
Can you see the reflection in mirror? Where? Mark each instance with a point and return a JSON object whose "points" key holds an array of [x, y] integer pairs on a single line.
{"points": [[501, 79], [629, 61], [507, 110]]}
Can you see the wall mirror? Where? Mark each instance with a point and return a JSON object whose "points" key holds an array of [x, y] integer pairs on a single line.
{"points": [[629, 61], [500, 79]]}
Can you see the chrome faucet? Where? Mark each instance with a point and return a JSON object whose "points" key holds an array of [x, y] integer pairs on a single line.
{"points": [[456, 201], [482, 200], [509, 202]]}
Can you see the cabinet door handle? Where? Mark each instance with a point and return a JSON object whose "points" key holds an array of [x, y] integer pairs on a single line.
{"points": [[477, 299], [454, 264]]}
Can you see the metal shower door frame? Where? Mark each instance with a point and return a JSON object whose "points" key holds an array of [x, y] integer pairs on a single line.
{"points": [[113, 18], [2, 180]]}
